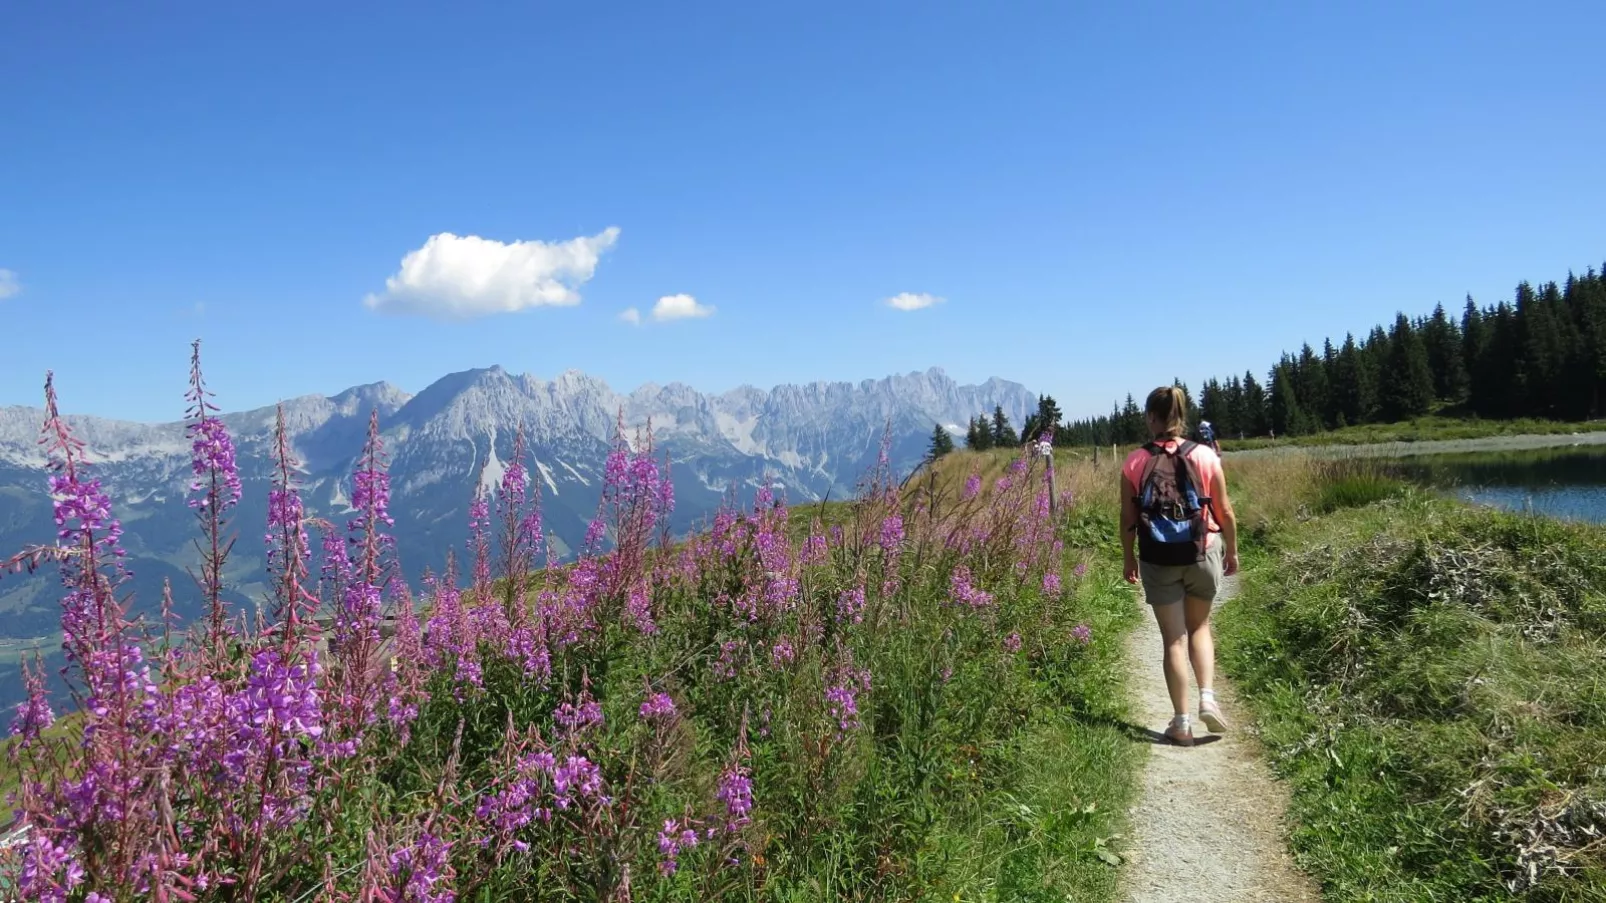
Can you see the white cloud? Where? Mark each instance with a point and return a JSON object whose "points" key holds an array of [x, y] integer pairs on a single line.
{"points": [[679, 307], [912, 301], [9, 285], [458, 277], [631, 315]]}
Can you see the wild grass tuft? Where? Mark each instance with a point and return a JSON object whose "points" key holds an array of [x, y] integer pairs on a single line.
{"points": [[1429, 679]]}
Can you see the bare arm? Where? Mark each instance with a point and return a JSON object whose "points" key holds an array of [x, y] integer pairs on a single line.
{"points": [[1222, 506], [1129, 521]]}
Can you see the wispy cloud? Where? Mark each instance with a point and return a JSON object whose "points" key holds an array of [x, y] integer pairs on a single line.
{"points": [[680, 307], [912, 301], [9, 286], [631, 315], [460, 277]]}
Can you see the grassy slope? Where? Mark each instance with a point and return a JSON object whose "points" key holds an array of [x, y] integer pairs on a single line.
{"points": [[1429, 680], [1422, 429], [1072, 765], [1062, 781]]}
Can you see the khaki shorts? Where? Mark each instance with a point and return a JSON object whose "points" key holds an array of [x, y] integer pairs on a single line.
{"points": [[1164, 584]]}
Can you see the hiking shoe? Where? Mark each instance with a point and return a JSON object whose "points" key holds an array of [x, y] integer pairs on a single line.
{"points": [[1180, 734], [1210, 714]]}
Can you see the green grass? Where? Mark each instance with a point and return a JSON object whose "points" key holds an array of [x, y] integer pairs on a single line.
{"points": [[1422, 429], [1430, 679], [1052, 834]]}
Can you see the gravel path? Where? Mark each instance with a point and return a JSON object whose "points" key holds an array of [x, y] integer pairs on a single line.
{"points": [[1209, 823]]}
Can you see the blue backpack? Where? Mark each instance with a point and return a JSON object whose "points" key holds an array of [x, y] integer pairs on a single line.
{"points": [[1171, 524]]}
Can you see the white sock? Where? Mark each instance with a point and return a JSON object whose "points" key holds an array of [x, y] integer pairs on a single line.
{"points": [[1179, 720], [1206, 695]]}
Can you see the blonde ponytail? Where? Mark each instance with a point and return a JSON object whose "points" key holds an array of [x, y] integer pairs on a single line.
{"points": [[1167, 408]]}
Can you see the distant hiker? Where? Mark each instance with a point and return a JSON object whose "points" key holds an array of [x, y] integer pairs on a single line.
{"points": [[1174, 505], [1206, 435]]}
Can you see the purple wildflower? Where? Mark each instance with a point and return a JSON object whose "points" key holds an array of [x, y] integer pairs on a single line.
{"points": [[782, 653], [891, 533], [658, 706], [1051, 584], [964, 592], [675, 837], [1082, 633], [33, 714], [418, 868], [1012, 643], [850, 605], [575, 719], [972, 487], [576, 777], [736, 792]]}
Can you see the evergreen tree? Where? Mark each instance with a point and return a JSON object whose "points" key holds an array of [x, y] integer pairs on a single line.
{"points": [[1004, 435], [980, 436], [1048, 415], [1442, 339], [1408, 391], [1544, 350], [1353, 388], [1287, 417], [1310, 378], [1256, 421], [1543, 353], [1134, 426], [941, 443]]}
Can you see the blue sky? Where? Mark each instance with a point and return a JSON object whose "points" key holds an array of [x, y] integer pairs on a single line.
{"points": [[1103, 195]]}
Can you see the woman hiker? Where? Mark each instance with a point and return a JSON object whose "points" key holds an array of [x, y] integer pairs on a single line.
{"points": [[1174, 506]]}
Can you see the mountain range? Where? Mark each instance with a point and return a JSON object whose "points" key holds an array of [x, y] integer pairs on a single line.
{"points": [[453, 438]]}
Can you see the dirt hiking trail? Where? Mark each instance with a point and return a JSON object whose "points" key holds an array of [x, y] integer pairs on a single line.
{"points": [[1208, 824]]}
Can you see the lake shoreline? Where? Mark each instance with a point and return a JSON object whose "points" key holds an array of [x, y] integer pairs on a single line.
{"points": [[1426, 447]]}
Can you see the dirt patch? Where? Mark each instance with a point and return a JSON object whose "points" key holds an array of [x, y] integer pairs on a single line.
{"points": [[1209, 821]]}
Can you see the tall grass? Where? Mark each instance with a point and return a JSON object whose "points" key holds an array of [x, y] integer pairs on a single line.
{"points": [[1428, 678], [911, 695]]}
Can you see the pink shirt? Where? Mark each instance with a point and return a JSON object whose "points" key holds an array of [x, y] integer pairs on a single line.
{"points": [[1208, 462]]}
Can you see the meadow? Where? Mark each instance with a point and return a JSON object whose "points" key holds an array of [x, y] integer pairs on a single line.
{"points": [[1427, 677], [914, 694]]}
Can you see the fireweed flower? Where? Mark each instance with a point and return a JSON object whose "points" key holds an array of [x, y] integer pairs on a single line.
{"points": [[782, 653], [50, 869], [1051, 584], [211, 449], [417, 868], [972, 487], [576, 719], [1080, 570], [964, 593], [659, 706], [736, 793], [1012, 643], [850, 605], [675, 837], [33, 714], [577, 778], [479, 517], [892, 533], [1082, 633]]}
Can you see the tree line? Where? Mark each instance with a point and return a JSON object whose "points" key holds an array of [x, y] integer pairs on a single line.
{"points": [[1541, 354]]}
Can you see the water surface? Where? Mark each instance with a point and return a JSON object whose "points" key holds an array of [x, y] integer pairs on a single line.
{"points": [[1565, 483]]}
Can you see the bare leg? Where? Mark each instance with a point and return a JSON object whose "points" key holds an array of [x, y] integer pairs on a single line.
{"points": [[1201, 642], [1174, 637]]}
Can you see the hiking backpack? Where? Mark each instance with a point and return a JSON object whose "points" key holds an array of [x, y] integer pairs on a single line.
{"points": [[1171, 511]]}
